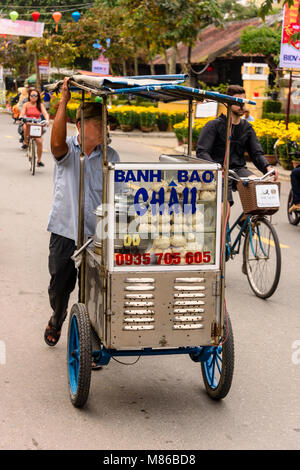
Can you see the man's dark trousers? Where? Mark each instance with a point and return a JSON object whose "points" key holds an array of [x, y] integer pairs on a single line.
{"points": [[63, 276]]}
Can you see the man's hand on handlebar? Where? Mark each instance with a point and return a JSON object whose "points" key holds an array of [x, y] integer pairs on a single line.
{"points": [[276, 174]]}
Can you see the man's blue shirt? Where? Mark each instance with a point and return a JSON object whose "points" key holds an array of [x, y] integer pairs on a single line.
{"points": [[63, 218]]}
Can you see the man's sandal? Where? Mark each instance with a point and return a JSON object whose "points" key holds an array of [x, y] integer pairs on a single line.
{"points": [[54, 332]]}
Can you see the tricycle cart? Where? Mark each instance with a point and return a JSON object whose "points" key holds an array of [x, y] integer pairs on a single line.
{"points": [[153, 276]]}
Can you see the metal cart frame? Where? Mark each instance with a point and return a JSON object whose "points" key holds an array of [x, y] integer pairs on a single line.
{"points": [[97, 268]]}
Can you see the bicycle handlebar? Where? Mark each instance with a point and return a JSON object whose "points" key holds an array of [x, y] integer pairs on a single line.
{"points": [[33, 121], [234, 176]]}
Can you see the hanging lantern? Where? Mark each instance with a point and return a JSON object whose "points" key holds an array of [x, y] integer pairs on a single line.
{"points": [[13, 15], [56, 16], [97, 44], [76, 16], [35, 16]]}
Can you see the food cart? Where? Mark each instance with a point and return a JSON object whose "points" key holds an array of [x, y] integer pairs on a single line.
{"points": [[153, 275]]}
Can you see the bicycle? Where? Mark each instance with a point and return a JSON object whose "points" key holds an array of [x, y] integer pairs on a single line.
{"points": [[36, 130], [261, 249]]}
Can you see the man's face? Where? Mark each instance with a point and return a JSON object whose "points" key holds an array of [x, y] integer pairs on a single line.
{"points": [[92, 131], [238, 110]]}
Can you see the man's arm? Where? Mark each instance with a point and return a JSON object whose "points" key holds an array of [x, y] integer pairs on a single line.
{"points": [[59, 146], [206, 141], [256, 154]]}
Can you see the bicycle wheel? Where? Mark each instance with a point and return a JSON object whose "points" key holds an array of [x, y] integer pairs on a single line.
{"points": [[293, 217], [262, 258], [32, 156], [217, 371]]}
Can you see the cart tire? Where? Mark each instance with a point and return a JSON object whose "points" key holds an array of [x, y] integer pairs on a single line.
{"points": [[32, 158], [217, 371], [79, 355], [293, 217], [263, 281]]}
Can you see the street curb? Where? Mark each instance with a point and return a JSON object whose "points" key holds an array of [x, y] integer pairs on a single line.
{"points": [[153, 135]]}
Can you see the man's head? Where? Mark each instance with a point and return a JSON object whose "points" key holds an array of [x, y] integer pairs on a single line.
{"points": [[236, 91], [92, 121]]}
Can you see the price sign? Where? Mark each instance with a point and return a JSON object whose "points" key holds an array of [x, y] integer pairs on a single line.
{"points": [[267, 195], [35, 131]]}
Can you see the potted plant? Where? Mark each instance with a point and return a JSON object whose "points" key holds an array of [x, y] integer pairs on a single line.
{"points": [[179, 129], [162, 121], [127, 119], [285, 158], [147, 121], [267, 143]]}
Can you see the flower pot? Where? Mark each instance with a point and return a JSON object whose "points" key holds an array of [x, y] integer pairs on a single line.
{"points": [[286, 164], [126, 128], [271, 159], [163, 126], [146, 129]]}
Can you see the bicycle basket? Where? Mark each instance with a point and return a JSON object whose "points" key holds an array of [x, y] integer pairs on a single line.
{"points": [[259, 197]]}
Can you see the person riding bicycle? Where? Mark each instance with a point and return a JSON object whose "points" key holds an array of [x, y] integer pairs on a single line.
{"points": [[34, 108], [211, 144]]}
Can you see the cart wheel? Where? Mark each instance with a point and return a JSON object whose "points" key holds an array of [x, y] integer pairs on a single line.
{"points": [[217, 371], [293, 217], [79, 355]]}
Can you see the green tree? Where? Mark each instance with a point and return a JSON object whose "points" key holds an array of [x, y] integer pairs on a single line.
{"points": [[101, 23], [268, 5], [265, 40], [60, 53], [233, 10], [159, 25], [13, 56]]}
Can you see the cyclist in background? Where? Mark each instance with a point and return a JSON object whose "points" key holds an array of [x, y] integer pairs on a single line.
{"points": [[34, 108], [295, 182]]}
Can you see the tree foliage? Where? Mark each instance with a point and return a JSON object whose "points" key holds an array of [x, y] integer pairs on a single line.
{"points": [[13, 56], [233, 10], [59, 52], [265, 40], [136, 28]]}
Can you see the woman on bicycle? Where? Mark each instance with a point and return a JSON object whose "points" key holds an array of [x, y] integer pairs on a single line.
{"points": [[34, 108]]}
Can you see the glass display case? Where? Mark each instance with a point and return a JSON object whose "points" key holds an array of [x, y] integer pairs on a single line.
{"points": [[164, 215]]}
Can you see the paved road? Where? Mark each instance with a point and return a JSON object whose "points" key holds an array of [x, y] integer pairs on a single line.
{"points": [[157, 403]]}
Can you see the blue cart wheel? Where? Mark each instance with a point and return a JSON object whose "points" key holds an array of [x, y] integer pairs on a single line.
{"points": [[79, 355], [217, 371]]}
